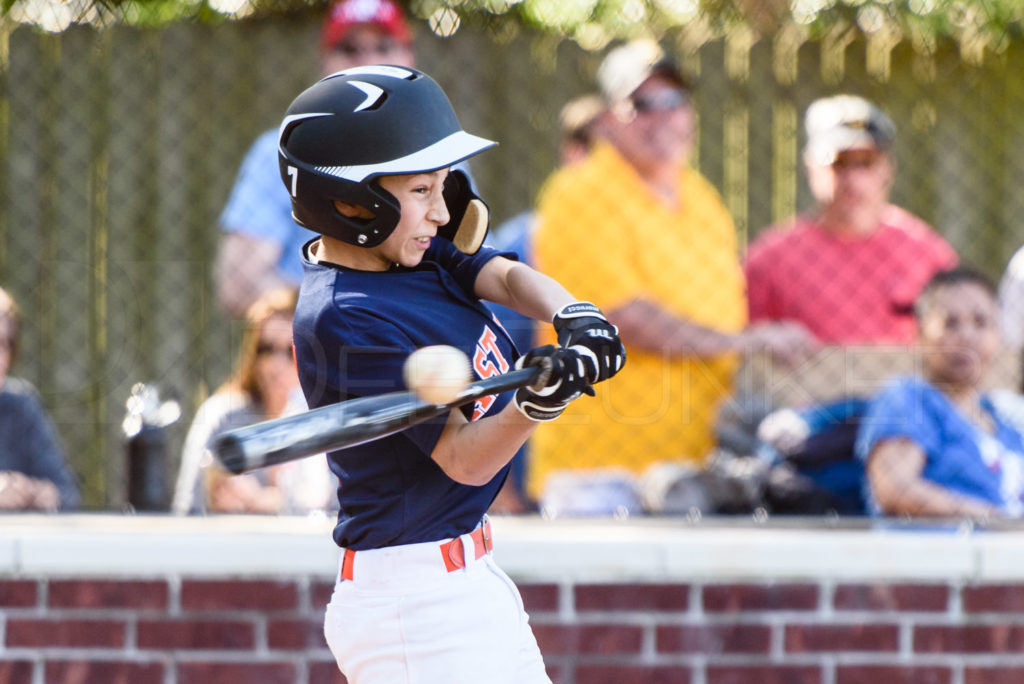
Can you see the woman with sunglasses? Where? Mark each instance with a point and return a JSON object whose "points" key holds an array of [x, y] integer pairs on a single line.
{"points": [[264, 385]]}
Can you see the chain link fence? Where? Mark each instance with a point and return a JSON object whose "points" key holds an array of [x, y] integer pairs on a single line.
{"points": [[118, 148]]}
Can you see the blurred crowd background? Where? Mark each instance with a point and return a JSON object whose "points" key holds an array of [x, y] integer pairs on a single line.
{"points": [[119, 146]]}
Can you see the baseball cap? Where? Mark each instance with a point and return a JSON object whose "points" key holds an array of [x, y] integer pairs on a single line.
{"points": [[626, 67], [576, 117], [343, 15], [845, 122]]}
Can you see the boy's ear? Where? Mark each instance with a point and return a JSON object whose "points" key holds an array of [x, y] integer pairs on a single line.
{"points": [[352, 210]]}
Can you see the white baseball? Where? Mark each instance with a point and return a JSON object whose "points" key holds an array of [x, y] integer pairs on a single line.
{"points": [[437, 374]]}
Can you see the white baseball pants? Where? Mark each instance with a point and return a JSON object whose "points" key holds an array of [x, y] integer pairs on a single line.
{"points": [[403, 618]]}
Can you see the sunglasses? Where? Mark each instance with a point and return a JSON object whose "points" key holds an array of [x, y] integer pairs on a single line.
{"points": [[661, 100], [847, 161], [353, 49], [268, 349]]}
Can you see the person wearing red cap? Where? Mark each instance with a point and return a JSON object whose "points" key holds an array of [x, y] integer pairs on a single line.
{"points": [[260, 243], [359, 32]]}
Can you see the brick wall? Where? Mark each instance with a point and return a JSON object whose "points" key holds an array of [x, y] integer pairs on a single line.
{"points": [[208, 626], [65, 630], [268, 631], [785, 633]]}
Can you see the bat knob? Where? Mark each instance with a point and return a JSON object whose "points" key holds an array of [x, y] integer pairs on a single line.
{"points": [[545, 366]]}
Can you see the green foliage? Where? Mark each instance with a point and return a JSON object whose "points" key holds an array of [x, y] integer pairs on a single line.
{"points": [[991, 21], [991, 24]]}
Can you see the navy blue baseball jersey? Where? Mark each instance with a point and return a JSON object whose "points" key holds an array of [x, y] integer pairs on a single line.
{"points": [[353, 331]]}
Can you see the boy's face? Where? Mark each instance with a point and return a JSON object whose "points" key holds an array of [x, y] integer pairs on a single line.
{"points": [[959, 334], [423, 211]]}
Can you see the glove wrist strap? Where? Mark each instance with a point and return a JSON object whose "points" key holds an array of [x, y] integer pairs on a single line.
{"points": [[578, 310], [539, 414]]}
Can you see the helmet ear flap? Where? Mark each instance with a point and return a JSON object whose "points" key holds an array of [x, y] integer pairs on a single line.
{"points": [[313, 196], [366, 232], [470, 216]]}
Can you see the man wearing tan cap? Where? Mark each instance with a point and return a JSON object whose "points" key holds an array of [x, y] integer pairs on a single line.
{"points": [[851, 269], [636, 230]]}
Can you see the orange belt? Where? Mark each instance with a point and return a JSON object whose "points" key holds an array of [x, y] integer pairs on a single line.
{"points": [[452, 552]]}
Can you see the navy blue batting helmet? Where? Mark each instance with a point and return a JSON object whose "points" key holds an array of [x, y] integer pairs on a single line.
{"points": [[347, 130]]}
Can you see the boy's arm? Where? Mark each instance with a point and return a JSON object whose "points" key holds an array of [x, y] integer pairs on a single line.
{"points": [[578, 325], [521, 288], [642, 323], [473, 452]]}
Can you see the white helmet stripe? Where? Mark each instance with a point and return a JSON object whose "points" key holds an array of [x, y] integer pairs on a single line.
{"points": [[374, 70], [373, 94], [297, 117], [445, 152]]}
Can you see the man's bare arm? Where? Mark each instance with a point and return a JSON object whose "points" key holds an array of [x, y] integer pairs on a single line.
{"points": [[245, 268]]}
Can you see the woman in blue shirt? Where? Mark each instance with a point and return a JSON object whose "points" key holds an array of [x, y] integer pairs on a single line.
{"points": [[937, 445]]}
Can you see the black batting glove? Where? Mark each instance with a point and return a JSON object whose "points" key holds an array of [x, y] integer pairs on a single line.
{"points": [[582, 326], [565, 380]]}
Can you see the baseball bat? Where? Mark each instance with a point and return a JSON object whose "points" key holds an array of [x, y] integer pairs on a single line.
{"points": [[348, 423]]}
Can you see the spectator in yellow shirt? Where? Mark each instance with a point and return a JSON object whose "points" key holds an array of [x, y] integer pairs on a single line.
{"points": [[638, 232]]}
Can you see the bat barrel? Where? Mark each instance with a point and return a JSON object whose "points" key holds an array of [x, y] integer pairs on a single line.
{"points": [[345, 424], [323, 429]]}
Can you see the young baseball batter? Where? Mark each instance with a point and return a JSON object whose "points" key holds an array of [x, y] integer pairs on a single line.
{"points": [[399, 265]]}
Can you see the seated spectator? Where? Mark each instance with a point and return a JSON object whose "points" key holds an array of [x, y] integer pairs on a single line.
{"points": [[264, 386], [34, 474], [937, 445], [850, 270]]}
